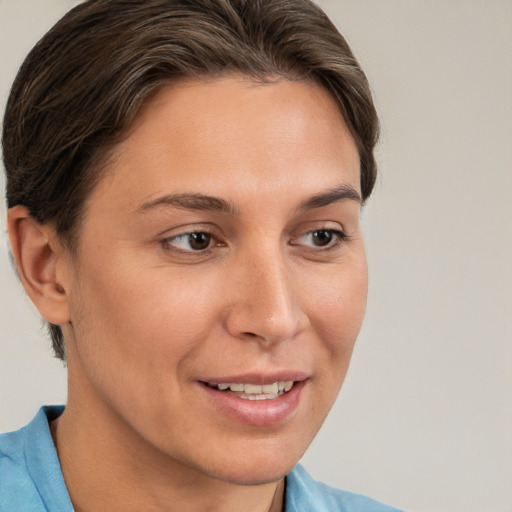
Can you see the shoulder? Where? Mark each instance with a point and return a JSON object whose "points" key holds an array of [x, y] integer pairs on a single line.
{"points": [[29, 469], [303, 494], [15, 479]]}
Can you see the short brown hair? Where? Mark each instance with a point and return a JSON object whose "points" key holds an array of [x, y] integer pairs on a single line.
{"points": [[82, 85]]}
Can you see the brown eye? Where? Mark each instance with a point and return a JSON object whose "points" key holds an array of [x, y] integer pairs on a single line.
{"points": [[195, 241], [321, 238], [199, 241]]}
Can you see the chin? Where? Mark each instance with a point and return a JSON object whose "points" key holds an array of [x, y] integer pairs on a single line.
{"points": [[254, 466], [252, 475]]}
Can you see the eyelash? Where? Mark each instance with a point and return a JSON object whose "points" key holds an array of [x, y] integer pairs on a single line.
{"points": [[337, 237], [167, 242]]}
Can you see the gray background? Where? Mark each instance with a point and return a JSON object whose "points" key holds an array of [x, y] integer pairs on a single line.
{"points": [[424, 421]]}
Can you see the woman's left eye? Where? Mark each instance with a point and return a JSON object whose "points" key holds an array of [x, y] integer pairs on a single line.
{"points": [[195, 241], [320, 238]]}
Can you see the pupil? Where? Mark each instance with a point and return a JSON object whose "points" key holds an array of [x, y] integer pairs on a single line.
{"points": [[322, 237], [199, 241]]}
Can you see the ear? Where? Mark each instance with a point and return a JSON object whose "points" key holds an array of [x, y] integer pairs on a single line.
{"points": [[39, 259]]}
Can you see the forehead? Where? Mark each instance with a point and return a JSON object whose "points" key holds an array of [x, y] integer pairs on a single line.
{"points": [[230, 134]]}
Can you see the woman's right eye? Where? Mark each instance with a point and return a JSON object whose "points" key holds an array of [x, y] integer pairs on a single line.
{"points": [[196, 241]]}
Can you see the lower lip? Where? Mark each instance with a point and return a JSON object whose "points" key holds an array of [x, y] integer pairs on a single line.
{"points": [[259, 413]]}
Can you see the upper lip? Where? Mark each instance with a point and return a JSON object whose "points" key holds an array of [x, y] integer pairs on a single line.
{"points": [[258, 378]]}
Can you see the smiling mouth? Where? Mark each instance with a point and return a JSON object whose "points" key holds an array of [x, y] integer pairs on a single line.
{"points": [[254, 391]]}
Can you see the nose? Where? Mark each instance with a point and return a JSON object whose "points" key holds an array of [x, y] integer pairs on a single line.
{"points": [[266, 305]]}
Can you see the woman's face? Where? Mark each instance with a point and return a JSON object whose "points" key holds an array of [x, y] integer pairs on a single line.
{"points": [[222, 247]]}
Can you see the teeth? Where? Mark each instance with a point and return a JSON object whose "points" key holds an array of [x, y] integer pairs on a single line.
{"points": [[255, 389], [261, 397], [270, 388]]}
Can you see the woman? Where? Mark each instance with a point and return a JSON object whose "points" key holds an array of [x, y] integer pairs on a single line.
{"points": [[184, 183]]}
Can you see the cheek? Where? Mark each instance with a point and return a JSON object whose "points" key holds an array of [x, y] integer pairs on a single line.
{"points": [[135, 340], [336, 313], [337, 316], [144, 320], [340, 305]]}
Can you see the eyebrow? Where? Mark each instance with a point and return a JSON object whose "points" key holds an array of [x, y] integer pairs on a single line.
{"points": [[192, 202], [203, 202], [341, 193]]}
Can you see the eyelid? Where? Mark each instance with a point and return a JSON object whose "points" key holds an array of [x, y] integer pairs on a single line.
{"points": [[192, 227], [336, 232], [218, 238], [189, 229], [339, 237], [311, 226]]}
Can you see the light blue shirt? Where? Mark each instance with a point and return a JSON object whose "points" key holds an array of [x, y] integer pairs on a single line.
{"points": [[31, 478]]}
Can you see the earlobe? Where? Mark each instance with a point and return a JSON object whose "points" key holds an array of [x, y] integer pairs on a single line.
{"points": [[37, 256]]}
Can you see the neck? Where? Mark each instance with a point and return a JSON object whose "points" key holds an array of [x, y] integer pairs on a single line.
{"points": [[145, 479]]}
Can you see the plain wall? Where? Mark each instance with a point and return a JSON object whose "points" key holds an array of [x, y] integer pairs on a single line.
{"points": [[424, 421]]}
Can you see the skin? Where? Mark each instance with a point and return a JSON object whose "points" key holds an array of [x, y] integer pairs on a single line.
{"points": [[146, 317]]}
